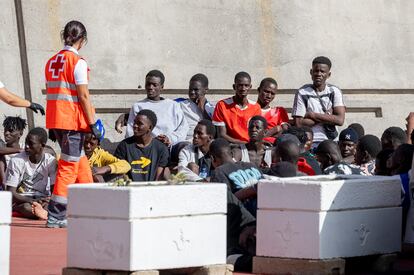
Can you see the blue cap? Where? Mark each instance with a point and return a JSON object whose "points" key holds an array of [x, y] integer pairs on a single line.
{"points": [[348, 134]]}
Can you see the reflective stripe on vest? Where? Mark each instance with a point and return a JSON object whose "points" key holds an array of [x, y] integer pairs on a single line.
{"points": [[70, 98], [70, 158], [59, 199], [61, 84]]}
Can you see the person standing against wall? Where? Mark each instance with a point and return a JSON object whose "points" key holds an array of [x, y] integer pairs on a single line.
{"points": [[319, 105], [69, 116]]}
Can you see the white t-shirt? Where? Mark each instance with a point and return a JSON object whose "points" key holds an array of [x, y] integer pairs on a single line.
{"points": [[1, 85], [31, 179], [188, 154], [170, 119], [306, 100], [193, 115]]}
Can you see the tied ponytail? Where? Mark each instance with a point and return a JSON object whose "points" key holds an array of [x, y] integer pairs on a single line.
{"points": [[73, 32]]}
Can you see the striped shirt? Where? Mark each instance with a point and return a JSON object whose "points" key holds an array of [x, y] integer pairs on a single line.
{"points": [[306, 100]]}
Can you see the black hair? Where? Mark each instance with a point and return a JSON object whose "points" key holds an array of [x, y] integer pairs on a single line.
{"points": [[219, 148], [200, 78], [357, 128], [73, 32], [92, 136], [267, 79], [40, 133], [299, 132], [288, 150], [381, 162], [283, 169], [395, 135], [371, 144], [240, 75], [322, 60], [331, 148], [150, 115], [404, 155], [14, 123], [156, 73], [210, 128], [262, 119]]}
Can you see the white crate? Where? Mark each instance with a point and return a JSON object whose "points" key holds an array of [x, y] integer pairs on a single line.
{"points": [[146, 227], [329, 192], [5, 221], [328, 234], [321, 217]]}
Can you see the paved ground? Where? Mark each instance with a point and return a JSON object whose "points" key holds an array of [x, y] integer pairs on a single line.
{"points": [[37, 250]]}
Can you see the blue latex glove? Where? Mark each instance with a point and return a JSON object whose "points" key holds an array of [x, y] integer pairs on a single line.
{"points": [[98, 130]]}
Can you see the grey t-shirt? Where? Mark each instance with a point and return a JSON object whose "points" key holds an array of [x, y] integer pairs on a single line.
{"points": [[306, 100], [31, 179]]}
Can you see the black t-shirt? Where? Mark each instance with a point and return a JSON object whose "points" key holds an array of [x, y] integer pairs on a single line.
{"points": [[144, 161], [237, 175]]}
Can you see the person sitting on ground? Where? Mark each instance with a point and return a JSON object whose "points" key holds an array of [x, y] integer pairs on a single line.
{"points": [[287, 150], [319, 105], [256, 150], [307, 162], [277, 117], [172, 127], [13, 130], [104, 165], [231, 115], [381, 162], [358, 128], [240, 177], [147, 156], [196, 156], [393, 137], [330, 158], [367, 150], [31, 174], [196, 107], [348, 140]]}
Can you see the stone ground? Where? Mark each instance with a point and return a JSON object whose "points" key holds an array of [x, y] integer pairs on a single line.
{"points": [[37, 250]]}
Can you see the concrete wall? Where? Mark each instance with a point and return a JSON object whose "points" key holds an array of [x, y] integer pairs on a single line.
{"points": [[368, 41]]}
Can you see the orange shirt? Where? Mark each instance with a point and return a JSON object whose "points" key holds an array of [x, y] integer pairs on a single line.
{"points": [[274, 116], [236, 119]]}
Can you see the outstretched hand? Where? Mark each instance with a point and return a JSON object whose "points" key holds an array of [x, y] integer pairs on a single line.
{"points": [[37, 107]]}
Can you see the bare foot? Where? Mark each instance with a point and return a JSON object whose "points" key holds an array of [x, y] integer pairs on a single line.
{"points": [[38, 211]]}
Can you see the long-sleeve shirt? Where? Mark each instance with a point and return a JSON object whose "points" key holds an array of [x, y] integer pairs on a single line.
{"points": [[170, 119], [101, 158]]}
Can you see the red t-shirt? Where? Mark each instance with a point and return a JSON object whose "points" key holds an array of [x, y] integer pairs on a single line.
{"points": [[275, 116], [229, 114]]}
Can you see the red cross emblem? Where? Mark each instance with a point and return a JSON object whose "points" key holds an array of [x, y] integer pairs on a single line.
{"points": [[56, 65]]}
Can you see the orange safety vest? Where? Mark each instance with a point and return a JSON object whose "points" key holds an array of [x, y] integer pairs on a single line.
{"points": [[63, 109]]}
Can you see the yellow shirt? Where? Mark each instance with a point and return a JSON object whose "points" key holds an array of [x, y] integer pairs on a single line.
{"points": [[101, 158]]}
